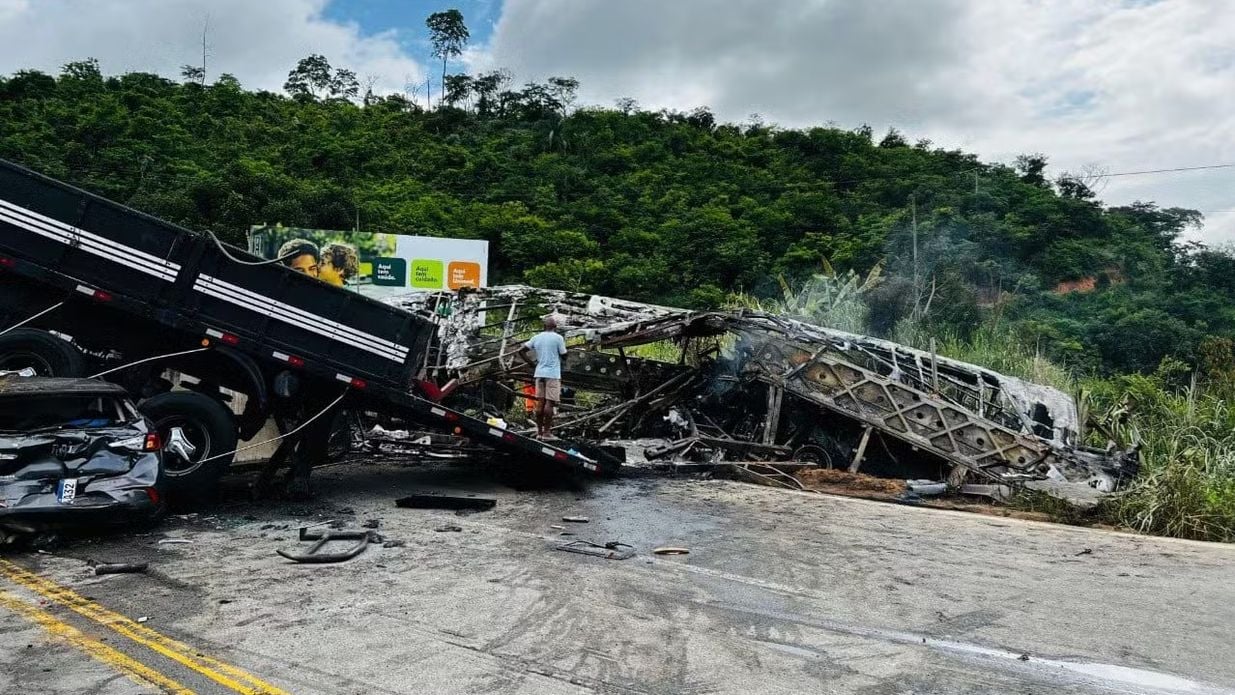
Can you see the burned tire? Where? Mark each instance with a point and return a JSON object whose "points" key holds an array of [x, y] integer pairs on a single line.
{"points": [[44, 352], [813, 454], [210, 430]]}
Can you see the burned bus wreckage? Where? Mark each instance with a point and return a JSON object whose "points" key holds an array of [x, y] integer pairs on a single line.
{"points": [[662, 384]]}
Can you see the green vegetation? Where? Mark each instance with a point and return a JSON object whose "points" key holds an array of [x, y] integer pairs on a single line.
{"points": [[998, 264], [668, 207]]}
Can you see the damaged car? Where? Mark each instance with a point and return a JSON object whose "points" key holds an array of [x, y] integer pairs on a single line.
{"points": [[74, 453]]}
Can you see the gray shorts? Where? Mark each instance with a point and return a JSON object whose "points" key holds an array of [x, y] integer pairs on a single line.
{"points": [[549, 390]]}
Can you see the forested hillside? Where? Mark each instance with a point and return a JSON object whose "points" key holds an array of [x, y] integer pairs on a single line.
{"points": [[666, 207]]}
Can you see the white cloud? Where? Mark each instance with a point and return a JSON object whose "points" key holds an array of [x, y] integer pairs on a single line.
{"points": [[1123, 84], [257, 41]]}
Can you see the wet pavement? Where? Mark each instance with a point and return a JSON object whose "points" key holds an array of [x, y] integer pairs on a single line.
{"points": [[781, 593]]}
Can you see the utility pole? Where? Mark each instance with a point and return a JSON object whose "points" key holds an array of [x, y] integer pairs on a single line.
{"points": [[975, 181], [205, 31], [917, 292]]}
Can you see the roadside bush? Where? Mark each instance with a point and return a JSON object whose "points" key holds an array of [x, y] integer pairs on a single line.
{"points": [[1186, 434]]}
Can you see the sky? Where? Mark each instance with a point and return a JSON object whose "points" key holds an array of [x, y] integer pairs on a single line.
{"points": [[1106, 85]]}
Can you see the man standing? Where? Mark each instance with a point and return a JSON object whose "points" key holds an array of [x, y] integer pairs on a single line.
{"points": [[549, 347]]}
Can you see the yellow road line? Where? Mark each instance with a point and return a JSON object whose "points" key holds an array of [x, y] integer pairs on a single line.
{"points": [[128, 666], [226, 675]]}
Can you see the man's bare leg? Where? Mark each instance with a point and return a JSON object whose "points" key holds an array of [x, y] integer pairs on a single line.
{"points": [[548, 418]]}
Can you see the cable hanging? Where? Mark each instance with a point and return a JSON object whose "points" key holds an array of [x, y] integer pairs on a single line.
{"points": [[23, 322], [299, 427], [149, 359]]}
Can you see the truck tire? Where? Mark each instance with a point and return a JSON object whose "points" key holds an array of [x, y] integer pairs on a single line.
{"points": [[46, 353], [209, 426]]}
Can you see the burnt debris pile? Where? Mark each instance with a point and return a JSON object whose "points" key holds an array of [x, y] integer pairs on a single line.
{"points": [[676, 387]]}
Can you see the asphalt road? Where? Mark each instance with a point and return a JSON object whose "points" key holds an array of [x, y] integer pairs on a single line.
{"points": [[781, 593]]}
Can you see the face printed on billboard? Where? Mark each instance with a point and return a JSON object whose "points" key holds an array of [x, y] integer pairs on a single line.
{"points": [[377, 265]]}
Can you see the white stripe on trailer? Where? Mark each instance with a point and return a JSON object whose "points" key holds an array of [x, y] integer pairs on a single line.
{"points": [[312, 327], [93, 248], [294, 310], [344, 378], [298, 317], [547, 451], [496, 432], [280, 356], [88, 241], [298, 323], [77, 231], [89, 291], [437, 411], [214, 334]]}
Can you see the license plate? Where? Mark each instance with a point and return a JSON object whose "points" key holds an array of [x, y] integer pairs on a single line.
{"points": [[66, 490]]}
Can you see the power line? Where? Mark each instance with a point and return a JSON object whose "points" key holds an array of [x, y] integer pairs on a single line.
{"points": [[1167, 171]]}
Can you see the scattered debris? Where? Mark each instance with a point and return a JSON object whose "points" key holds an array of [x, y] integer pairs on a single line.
{"points": [[449, 528], [321, 538], [394, 544], [926, 488], [828, 479], [143, 619], [576, 519], [425, 501], [371, 523], [1086, 551], [670, 550], [120, 568], [613, 550], [174, 541]]}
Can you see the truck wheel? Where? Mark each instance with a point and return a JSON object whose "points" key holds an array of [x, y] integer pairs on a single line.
{"points": [[195, 429], [42, 351]]}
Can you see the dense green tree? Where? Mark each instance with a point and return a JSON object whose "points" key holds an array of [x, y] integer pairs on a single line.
{"points": [[448, 35]]}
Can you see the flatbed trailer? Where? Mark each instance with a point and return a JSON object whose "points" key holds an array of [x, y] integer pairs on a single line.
{"points": [[106, 285]]}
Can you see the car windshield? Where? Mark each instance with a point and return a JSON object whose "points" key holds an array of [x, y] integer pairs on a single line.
{"points": [[38, 412]]}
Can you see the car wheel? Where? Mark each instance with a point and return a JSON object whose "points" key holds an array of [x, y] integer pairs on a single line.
{"points": [[199, 441], [41, 351]]}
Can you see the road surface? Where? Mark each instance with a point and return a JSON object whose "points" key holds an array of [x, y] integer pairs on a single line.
{"points": [[781, 593]]}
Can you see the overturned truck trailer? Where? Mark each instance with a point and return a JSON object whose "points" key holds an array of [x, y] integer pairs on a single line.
{"points": [[753, 386]]}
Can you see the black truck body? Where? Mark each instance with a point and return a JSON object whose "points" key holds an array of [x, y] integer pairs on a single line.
{"points": [[140, 287]]}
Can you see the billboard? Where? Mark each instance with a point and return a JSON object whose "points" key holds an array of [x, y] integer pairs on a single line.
{"points": [[377, 265]]}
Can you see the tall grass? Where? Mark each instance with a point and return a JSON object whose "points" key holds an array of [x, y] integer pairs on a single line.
{"points": [[1186, 434], [995, 348]]}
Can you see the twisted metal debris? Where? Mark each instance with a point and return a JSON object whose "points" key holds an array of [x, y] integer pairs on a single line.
{"points": [[751, 386]]}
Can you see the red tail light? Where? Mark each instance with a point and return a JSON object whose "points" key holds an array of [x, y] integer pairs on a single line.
{"points": [[153, 494], [6, 262], [152, 443]]}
